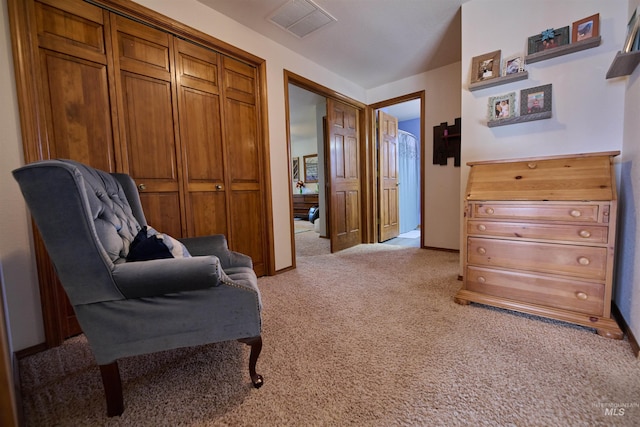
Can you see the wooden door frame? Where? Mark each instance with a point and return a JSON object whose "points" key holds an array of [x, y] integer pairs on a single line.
{"points": [[372, 120], [366, 162]]}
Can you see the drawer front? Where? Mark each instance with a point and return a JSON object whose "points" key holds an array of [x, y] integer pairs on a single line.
{"points": [[561, 293], [577, 233], [579, 261], [537, 211]]}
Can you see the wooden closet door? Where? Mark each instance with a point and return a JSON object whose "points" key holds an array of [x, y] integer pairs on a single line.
{"points": [[148, 109], [243, 148], [201, 139], [73, 98]]}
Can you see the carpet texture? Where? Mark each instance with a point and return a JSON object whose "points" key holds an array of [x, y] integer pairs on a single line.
{"points": [[369, 336]]}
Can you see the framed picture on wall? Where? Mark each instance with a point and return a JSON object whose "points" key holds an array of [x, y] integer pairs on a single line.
{"points": [[295, 169], [535, 100], [548, 39], [586, 28], [512, 65], [311, 168], [485, 67], [502, 107]]}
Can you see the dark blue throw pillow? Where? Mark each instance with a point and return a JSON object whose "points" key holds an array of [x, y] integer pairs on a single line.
{"points": [[145, 248]]}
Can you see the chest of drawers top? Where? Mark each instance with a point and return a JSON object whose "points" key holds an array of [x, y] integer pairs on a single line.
{"points": [[562, 178]]}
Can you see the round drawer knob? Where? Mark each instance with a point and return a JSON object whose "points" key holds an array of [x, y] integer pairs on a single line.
{"points": [[532, 165], [489, 211], [482, 227], [482, 251], [585, 233], [584, 260], [482, 279], [142, 187], [581, 295], [218, 187], [575, 213]]}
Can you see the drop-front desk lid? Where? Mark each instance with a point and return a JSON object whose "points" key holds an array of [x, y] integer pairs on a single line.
{"points": [[572, 177]]}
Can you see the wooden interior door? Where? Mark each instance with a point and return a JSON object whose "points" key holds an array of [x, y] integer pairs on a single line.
{"points": [[344, 175], [388, 194], [148, 109]]}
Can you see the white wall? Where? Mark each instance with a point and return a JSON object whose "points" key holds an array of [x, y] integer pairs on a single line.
{"points": [[627, 296], [441, 196]]}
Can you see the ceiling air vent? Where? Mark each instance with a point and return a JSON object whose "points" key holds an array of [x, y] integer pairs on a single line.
{"points": [[301, 17]]}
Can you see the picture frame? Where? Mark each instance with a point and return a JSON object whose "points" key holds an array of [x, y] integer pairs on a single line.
{"points": [[295, 169], [485, 67], [537, 44], [502, 106], [536, 100], [513, 65], [311, 168], [585, 28], [632, 41]]}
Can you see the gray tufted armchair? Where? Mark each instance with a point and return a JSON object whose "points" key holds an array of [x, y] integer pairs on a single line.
{"points": [[88, 219]]}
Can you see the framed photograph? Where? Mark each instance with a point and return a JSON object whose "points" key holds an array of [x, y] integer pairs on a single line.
{"points": [[295, 169], [548, 39], [535, 100], [633, 33], [586, 28], [502, 107], [513, 65], [485, 67], [311, 168]]}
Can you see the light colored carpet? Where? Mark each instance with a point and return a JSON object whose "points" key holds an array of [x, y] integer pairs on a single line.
{"points": [[369, 336]]}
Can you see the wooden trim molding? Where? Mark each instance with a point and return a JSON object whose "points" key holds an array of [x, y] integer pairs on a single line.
{"points": [[635, 347]]}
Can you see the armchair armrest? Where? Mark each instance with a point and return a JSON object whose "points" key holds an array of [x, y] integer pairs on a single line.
{"points": [[165, 276], [216, 245]]}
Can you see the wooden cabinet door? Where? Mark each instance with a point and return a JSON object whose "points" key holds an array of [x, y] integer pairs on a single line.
{"points": [[201, 139], [245, 165], [147, 109]]}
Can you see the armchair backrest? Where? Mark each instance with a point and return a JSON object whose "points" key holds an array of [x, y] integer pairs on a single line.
{"points": [[87, 219]]}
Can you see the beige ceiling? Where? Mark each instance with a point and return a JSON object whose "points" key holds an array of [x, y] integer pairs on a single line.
{"points": [[373, 42]]}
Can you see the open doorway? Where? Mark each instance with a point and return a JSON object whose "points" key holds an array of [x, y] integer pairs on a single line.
{"points": [[307, 112], [407, 113]]}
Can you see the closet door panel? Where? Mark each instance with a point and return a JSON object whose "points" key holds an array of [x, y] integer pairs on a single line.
{"points": [[149, 125], [71, 27], [72, 110], [208, 213], [201, 139], [148, 114], [243, 150], [78, 116], [242, 144]]}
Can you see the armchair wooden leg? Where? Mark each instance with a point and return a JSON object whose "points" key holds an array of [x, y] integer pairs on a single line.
{"points": [[256, 348], [112, 389]]}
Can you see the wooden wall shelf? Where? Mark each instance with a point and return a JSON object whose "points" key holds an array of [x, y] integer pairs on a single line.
{"points": [[499, 81], [624, 64], [563, 50], [520, 119]]}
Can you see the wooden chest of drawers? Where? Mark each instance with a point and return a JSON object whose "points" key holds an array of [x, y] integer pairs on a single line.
{"points": [[302, 203], [540, 238]]}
